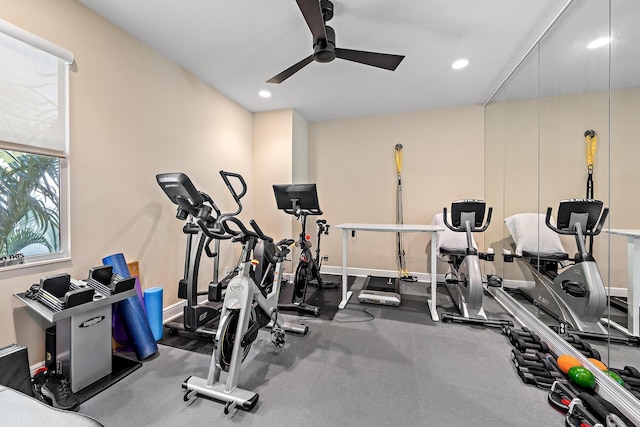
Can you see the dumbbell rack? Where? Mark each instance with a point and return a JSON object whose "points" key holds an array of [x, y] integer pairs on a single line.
{"points": [[82, 337], [537, 365]]}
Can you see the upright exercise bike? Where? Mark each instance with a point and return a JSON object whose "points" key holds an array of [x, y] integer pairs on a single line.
{"points": [[250, 303], [301, 201], [575, 296], [465, 281], [196, 205]]}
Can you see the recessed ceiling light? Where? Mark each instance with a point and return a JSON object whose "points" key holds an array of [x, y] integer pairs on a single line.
{"points": [[264, 93], [460, 63], [602, 41]]}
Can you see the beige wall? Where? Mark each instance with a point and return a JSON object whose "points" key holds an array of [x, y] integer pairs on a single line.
{"points": [[353, 163], [133, 114], [625, 176]]}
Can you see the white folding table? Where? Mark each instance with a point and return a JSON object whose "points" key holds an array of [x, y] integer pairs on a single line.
{"points": [[393, 228], [633, 281]]}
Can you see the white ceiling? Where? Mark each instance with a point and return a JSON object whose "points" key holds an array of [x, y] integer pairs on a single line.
{"points": [[237, 45]]}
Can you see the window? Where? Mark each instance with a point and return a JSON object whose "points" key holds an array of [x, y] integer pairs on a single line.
{"points": [[33, 149]]}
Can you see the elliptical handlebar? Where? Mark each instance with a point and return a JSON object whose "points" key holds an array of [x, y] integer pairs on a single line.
{"points": [[225, 176]]}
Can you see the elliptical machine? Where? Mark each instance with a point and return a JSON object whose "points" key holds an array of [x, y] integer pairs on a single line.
{"points": [[465, 280], [248, 305], [576, 296], [201, 230]]}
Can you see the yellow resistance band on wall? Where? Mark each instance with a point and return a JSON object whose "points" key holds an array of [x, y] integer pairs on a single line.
{"points": [[592, 142], [399, 158]]}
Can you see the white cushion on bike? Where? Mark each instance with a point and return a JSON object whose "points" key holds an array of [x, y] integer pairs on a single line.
{"points": [[524, 232], [449, 239]]}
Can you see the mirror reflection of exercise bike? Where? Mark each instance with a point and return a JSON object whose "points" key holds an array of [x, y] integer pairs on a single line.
{"points": [[301, 201], [197, 207], [465, 280], [250, 303], [575, 295]]}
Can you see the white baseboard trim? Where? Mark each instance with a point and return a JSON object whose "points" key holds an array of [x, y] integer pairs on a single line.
{"points": [[174, 310], [618, 292]]}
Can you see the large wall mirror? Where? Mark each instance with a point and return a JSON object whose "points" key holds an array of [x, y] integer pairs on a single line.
{"points": [[564, 98]]}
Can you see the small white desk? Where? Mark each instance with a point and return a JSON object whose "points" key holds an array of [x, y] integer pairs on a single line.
{"points": [[393, 228], [633, 279]]}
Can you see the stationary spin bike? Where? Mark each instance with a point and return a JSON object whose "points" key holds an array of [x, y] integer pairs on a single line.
{"points": [[250, 303], [301, 200], [465, 281]]}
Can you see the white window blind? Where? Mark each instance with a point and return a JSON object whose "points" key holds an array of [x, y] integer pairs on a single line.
{"points": [[33, 92]]}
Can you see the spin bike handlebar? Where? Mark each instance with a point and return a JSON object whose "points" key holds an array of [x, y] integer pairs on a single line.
{"points": [[244, 233], [594, 232], [303, 212], [461, 229]]}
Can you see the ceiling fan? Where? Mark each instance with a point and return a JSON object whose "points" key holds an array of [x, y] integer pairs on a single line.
{"points": [[317, 13]]}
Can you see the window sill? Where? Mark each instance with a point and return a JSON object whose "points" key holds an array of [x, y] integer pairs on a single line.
{"points": [[65, 258]]}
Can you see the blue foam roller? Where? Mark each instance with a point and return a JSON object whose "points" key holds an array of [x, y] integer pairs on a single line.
{"points": [[137, 325], [118, 263], [153, 304], [133, 313]]}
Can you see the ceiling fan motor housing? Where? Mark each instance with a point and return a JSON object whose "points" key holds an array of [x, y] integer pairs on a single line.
{"points": [[324, 50]]}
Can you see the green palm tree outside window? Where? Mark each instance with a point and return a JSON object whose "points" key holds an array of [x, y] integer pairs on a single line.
{"points": [[29, 205]]}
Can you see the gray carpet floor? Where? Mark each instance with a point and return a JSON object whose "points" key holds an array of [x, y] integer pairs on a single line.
{"points": [[383, 366]]}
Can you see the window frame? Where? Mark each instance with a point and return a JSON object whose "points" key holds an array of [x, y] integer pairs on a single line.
{"points": [[66, 59]]}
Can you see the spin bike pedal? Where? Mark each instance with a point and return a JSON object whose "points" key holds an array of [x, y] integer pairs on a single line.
{"points": [[277, 337], [251, 334]]}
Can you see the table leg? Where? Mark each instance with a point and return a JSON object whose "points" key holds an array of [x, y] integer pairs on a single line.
{"points": [[633, 284], [345, 294], [434, 278]]}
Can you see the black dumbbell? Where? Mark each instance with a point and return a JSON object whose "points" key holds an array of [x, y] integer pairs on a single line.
{"points": [[628, 371], [523, 345], [541, 382], [573, 339], [535, 356], [533, 338], [508, 331], [538, 372], [582, 345], [592, 353], [517, 333], [543, 364]]}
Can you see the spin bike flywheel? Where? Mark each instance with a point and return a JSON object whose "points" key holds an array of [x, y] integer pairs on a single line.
{"points": [[224, 349], [300, 281]]}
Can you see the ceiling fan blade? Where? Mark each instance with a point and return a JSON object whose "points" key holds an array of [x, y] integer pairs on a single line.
{"points": [[291, 70], [380, 60], [313, 15]]}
